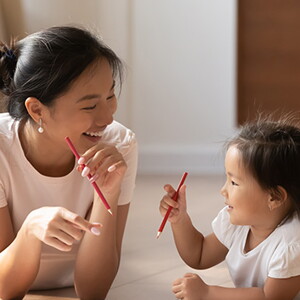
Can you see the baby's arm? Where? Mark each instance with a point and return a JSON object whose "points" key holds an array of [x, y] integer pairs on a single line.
{"points": [[197, 251], [191, 287]]}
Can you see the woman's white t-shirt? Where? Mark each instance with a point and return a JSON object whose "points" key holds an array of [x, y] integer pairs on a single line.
{"points": [[278, 256], [24, 189]]}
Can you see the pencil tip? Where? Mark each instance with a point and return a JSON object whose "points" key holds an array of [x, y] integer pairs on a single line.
{"points": [[158, 234], [109, 210]]}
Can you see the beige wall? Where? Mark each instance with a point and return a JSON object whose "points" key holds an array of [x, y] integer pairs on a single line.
{"points": [[179, 95], [13, 18], [2, 24], [104, 17]]}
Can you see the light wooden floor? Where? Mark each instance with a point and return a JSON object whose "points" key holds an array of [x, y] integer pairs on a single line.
{"points": [[150, 265]]}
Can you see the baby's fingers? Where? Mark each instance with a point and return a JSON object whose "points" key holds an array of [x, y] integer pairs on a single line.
{"points": [[177, 285], [167, 201], [182, 196], [170, 190]]}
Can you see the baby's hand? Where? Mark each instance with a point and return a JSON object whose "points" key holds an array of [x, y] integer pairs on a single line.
{"points": [[178, 208], [190, 287]]}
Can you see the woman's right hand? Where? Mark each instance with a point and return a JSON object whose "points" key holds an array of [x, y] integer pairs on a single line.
{"points": [[178, 207], [58, 227]]}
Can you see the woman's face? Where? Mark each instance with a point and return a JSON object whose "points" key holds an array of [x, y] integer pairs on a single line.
{"points": [[84, 111]]}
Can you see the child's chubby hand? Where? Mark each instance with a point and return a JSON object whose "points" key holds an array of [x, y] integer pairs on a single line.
{"points": [[190, 287], [178, 208]]}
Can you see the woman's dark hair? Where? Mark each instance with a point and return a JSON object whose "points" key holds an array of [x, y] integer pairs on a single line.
{"points": [[44, 65], [270, 150]]}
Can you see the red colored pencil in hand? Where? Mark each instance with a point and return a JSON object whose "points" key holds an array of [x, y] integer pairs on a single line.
{"points": [[94, 184], [175, 196]]}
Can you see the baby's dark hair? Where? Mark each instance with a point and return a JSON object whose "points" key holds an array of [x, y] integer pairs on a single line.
{"points": [[270, 150], [45, 64]]}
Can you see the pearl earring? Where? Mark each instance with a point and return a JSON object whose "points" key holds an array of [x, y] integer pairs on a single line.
{"points": [[41, 129]]}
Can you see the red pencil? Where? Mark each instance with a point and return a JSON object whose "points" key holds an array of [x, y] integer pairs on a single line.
{"points": [[175, 196], [94, 184]]}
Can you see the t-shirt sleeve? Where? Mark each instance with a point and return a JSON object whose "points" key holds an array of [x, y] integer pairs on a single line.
{"points": [[3, 201], [130, 155], [223, 229], [285, 261]]}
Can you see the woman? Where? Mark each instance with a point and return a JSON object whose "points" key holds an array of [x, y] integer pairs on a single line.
{"points": [[61, 82]]}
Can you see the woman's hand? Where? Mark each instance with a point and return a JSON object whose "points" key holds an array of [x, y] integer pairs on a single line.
{"points": [[190, 287], [58, 227], [106, 166], [178, 208]]}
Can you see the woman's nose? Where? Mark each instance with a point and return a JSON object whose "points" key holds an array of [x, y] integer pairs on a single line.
{"points": [[104, 115]]}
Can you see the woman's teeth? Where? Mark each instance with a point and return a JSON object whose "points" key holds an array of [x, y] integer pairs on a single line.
{"points": [[94, 133]]}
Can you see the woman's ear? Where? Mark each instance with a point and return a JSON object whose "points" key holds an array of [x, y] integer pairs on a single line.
{"points": [[278, 197], [34, 108]]}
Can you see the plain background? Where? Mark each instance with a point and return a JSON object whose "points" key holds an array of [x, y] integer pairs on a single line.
{"points": [[179, 94]]}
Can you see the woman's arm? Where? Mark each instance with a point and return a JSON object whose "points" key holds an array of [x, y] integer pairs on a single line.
{"points": [[99, 257], [20, 255], [192, 287], [19, 258]]}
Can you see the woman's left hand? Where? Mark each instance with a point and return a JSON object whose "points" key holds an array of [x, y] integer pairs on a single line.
{"points": [[106, 165], [190, 287]]}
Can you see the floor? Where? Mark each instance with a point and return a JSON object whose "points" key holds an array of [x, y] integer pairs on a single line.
{"points": [[150, 265]]}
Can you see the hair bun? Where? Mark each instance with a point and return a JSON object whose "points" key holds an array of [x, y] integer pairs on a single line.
{"points": [[8, 62], [10, 55]]}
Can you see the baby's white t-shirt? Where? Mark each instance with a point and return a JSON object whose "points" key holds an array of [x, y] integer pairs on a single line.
{"points": [[24, 189], [278, 256]]}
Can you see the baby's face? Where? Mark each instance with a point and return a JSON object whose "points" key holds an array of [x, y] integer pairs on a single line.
{"points": [[247, 202]]}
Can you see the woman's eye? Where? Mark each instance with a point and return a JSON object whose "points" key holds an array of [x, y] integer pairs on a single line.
{"points": [[110, 97], [89, 107], [233, 183]]}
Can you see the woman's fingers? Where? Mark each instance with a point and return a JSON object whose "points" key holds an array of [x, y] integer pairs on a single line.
{"points": [[59, 227], [65, 238], [57, 244], [79, 223], [98, 155], [87, 155], [101, 160]]}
